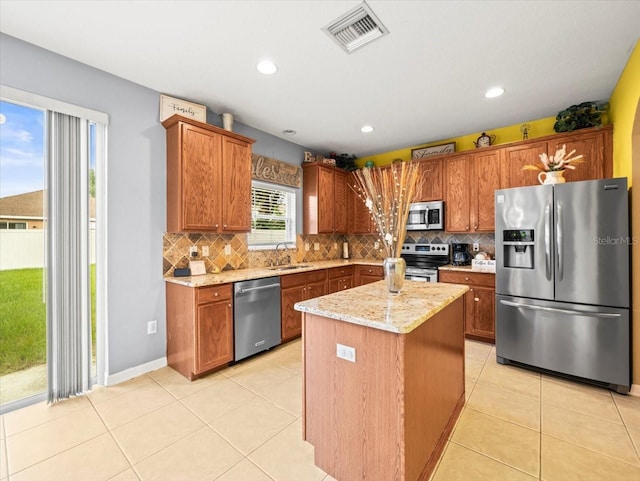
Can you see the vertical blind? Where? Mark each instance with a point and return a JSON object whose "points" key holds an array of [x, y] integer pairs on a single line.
{"points": [[273, 214], [68, 289]]}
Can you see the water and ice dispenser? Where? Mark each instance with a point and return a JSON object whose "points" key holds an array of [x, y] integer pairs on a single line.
{"points": [[518, 248]]}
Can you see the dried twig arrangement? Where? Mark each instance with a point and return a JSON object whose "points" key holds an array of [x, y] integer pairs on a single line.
{"points": [[387, 193], [560, 161]]}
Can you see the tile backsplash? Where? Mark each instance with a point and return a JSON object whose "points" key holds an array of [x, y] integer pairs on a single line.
{"points": [[176, 248]]}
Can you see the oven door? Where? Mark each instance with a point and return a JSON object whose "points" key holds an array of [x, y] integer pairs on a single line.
{"points": [[421, 275]]}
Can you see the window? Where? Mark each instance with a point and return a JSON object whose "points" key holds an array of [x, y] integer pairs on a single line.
{"points": [[13, 225], [273, 215]]}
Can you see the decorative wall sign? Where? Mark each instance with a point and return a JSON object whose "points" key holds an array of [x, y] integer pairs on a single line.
{"points": [[423, 152], [170, 106], [276, 171]]}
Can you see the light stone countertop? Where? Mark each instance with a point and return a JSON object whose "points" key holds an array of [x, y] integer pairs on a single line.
{"points": [[373, 306], [238, 275], [451, 267]]}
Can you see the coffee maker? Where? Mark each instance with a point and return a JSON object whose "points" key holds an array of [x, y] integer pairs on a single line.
{"points": [[460, 255]]}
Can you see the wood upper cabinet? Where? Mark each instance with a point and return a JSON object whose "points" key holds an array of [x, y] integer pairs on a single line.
{"points": [[208, 178], [485, 180], [430, 180], [515, 158], [457, 179], [479, 316], [592, 146], [324, 194], [295, 288], [199, 328]]}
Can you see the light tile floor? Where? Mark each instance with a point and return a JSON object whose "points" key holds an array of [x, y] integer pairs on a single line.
{"points": [[243, 424]]}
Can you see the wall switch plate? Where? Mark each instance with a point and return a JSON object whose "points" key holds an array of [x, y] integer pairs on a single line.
{"points": [[476, 247], [376, 245], [335, 245], [152, 327], [347, 353], [205, 251], [227, 250], [316, 246], [193, 250], [307, 246]]}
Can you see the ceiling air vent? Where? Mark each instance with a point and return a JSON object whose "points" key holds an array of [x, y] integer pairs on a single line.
{"points": [[356, 28]]}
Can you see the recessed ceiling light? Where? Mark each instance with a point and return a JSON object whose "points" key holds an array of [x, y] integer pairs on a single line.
{"points": [[267, 67], [289, 132], [494, 92], [366, 129]]}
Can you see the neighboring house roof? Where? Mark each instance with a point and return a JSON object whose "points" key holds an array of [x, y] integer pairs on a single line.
{"points": [[30, 204]]}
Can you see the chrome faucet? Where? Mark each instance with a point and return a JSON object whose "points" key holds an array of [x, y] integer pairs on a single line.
{"points": [[280, 261]]}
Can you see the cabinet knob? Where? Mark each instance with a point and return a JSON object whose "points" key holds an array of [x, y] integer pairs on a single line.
{"points": [[476, 299], [216, 226], [466, 278], [224, 226], [229, 305], [215, 294]]}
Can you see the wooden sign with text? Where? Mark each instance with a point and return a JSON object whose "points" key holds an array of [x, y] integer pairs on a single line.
{"points": [[276, 171]]}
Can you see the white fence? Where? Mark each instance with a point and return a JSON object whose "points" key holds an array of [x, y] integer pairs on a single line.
{"points": [[21, 248]]}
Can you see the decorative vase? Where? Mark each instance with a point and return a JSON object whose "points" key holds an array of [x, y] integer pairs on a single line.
{"points": [[227, 121], [394, 271], [553, 177]]}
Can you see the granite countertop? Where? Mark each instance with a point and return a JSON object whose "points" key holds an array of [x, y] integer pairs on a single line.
{"points": [[451, 267], [262, 272], [373, 306]]}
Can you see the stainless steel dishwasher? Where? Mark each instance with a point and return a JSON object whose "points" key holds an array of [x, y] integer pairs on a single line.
{"points": [[256, 316]]}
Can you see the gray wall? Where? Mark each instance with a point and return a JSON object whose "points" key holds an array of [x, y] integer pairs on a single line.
{"points": [[136, 186]]}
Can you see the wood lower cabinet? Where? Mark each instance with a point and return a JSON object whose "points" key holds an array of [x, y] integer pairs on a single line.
{"points": [[324, 194], [199, 328], [340, 278], [295, 288], [208, 178], [367, 274], [479, 316]]}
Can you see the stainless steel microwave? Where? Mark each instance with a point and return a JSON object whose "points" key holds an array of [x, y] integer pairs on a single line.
{"points": [[426, 216]]}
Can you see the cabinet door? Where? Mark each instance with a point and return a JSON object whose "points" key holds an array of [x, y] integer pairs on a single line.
{"points": [[517, 157], [430, 181], [214, 335], [486, 179], [368, 279], [235, 194], [316, 289], [291, 319], [482, 321], [326, 195], [589, 145], [201, 163], [340, 203], [457, 194], [359, 215]]}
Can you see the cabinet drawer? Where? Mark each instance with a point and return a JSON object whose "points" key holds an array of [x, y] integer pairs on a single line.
{"points": [[213, 293], [485, 279], [292, 280], [370, 271], [336, 272]]}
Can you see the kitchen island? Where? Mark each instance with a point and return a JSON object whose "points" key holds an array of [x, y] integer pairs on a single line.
{"points": [[383, 378]]}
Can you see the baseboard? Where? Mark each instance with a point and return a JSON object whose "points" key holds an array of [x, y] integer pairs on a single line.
{"points": [[136, 371], [635, 390]]}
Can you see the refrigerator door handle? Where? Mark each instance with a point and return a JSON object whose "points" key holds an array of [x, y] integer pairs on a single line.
{"points": [[559, 255], [547, 239], [561, 311]]}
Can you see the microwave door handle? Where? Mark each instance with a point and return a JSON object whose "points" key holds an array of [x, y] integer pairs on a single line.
{"points": [[425, 213]]}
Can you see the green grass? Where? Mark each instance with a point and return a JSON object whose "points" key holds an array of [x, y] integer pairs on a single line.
{"points": [[23, 329]]}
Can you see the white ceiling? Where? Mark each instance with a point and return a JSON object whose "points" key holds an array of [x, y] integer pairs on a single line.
{"points": [[423, 82]]}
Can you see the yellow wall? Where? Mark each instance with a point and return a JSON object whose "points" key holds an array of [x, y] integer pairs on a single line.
{"points": [[539, 128], [622, 112]]}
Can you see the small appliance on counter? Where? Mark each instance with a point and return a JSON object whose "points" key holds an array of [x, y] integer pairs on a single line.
{"points": [[460, 255]]}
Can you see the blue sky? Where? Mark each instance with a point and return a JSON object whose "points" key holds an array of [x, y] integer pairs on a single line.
{"points": [[21, 149]]}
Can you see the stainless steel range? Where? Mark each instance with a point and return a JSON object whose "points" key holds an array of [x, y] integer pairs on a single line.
{"points": [[423, 260]]}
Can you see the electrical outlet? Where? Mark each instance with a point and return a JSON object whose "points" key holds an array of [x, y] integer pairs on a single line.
{"points": [[316, 246], [347, 353], [376, 245], [193, 251], [335, 245], [307, 246], [227, 250], [205, 251], [476, 247], [152, 327]]}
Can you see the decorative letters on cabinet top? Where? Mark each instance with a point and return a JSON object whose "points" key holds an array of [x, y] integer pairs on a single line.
{"points": [[276, 171]]}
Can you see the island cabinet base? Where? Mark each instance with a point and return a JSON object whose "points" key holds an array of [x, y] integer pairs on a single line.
{"points": [[386, 416]]}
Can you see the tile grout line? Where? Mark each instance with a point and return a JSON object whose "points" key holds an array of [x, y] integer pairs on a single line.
{"points": [[491, 458], [626, 428]]}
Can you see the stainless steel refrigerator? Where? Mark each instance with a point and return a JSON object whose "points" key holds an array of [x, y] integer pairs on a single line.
{"points": [[562, 280]]}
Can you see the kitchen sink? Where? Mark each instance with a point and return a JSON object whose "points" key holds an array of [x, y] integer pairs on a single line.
{"points": [[288, 268]]}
